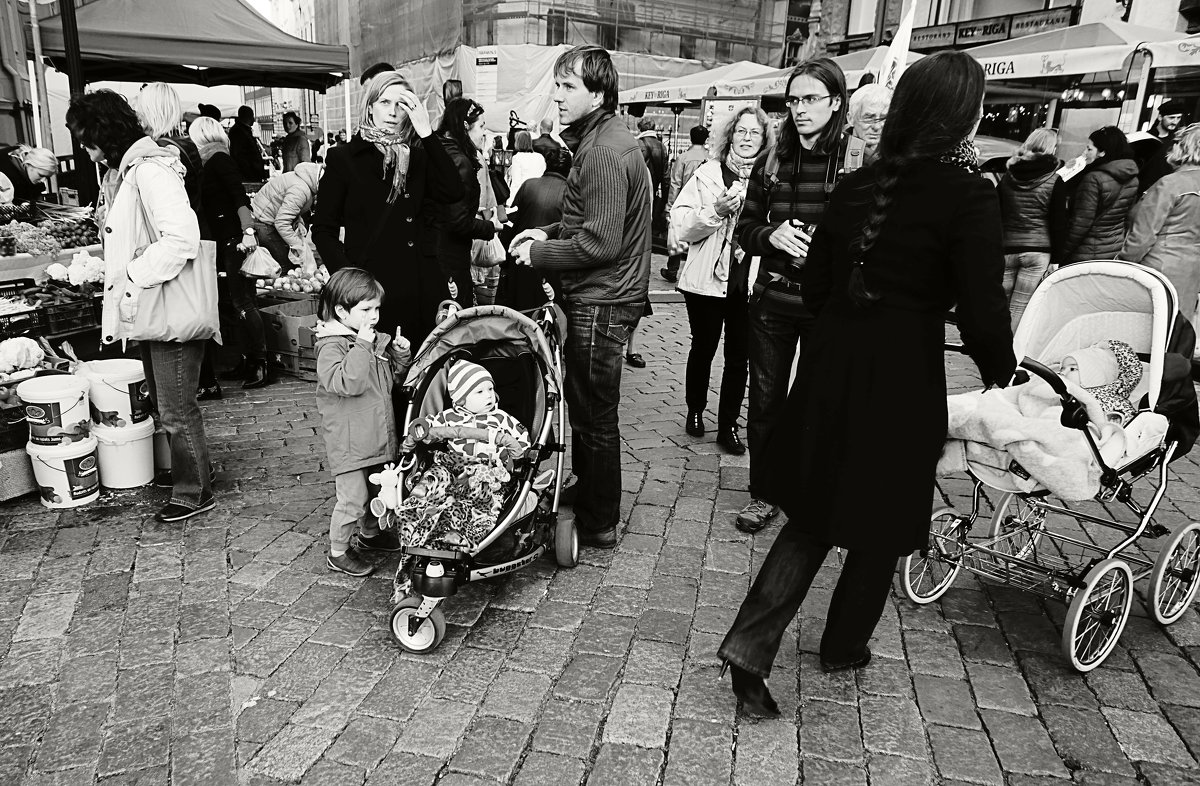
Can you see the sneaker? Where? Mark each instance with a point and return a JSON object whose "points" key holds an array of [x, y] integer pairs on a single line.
{"points": [[351, 563], [756, 515], [600, 538], [384, 541], [176, 512]]}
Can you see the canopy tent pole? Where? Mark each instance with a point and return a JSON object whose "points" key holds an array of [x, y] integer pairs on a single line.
{"points": [[346, 91], [1139, 103], [85, 170], [44, 135]]}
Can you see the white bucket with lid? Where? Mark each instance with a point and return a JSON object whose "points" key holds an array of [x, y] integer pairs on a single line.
{"points": [[126, 454], [119, 393], [67, 475], [56, 407]]}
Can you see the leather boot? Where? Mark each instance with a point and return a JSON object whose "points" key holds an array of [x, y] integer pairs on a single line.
{"points": [[257, 374], [727, 437], [695, 423]]}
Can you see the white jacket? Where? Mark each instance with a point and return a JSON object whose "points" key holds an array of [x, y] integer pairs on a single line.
{"points": [[131, 260], [525, 166], [695, 221]]}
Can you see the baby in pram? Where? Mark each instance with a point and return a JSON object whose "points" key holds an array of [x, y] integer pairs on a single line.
{"points": [[458, 498]]}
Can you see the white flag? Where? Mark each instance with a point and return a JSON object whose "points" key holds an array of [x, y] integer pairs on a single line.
{"points": [[897, 53]]}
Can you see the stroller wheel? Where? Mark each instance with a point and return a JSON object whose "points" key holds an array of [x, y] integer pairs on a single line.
{"points": [[566, 542], [1176, 575], [928, 576], [1020, 522], [1097, 614], [426, 636]]}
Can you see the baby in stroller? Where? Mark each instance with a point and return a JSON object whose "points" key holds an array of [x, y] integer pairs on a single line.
{"points": [[458, 498]]}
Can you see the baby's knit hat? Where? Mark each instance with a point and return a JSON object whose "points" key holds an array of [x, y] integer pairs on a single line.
{"points": [[463, 377]]}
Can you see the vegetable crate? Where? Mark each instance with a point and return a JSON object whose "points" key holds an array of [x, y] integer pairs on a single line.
{"points": [[289, 325], [72, 316], [14, 429], [301, 365]]}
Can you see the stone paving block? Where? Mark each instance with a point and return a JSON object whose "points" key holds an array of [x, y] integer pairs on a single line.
{"points": [[1053, 681], [885, 677], [23, 714], [702, 696], [365, 741], [588, 677], [1032, 632], [204, 621], [521, 592], [654, 663], [999, 688], [134, 746], [640, 716], [88, 678], [659, 625], [832, 773], [435, 728], [1162, 775], [88, 635], [964, 754], [983, 645], [605, 634], [631, 570], [516, 695], [831, 731], [558, 615], [343, 629], [1172, 679], [492, 748], [336, 699], [205, 655], [885, 770], [46, 616], [549, 769], [469, 674], [263, 719], [331, 773], [73, 737], [619, 601], [946, 701], [568, 728], [541, 650], [292, 752], [1084, 741], [399, 691], [1186, 721], [766, 753], [1023, 745], [497, 629], [404, 769], [889, 726], [933, 653], [1147, 737], [619, 764], [701, 753], [144, 692], [1123, 689], [14, 762], [649, 519], [672, 593]]}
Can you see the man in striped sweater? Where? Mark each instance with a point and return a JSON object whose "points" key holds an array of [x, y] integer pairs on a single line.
{"points": [[785, 200], [600, 250]]}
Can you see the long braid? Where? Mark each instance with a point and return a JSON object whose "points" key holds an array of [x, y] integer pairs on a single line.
{"points": [[886, 177]]}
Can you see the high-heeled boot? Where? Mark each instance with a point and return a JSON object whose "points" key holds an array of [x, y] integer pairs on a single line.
{"points": [[257, 374], [752, 691]]}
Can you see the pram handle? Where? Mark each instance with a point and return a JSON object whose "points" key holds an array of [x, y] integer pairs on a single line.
{"points": [[1046, 373], [1074, 414]]}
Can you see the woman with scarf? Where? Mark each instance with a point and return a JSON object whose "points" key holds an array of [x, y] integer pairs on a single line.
{"points": [[374, 188], [903, 241], [714, 279], [227, 212]]}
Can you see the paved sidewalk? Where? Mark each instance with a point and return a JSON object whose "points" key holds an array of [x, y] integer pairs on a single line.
{"points": [[223, 651]]}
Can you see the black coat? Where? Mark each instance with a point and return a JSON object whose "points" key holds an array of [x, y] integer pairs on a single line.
{"points": [[24, 190], [221, 194], [386, 239], [247, 153], [458, 223], [868, 407]]}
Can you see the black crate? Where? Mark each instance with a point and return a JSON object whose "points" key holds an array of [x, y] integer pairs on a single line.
{"points": [[22, 323], [71, 316]]}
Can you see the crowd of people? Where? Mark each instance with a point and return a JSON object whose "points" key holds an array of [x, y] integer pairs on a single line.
{"points": [[819, 246]]}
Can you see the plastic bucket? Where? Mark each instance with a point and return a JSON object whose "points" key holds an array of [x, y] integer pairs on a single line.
{"points": [[119, 393], [162, 449], [56, 408], [126, 455], [67, 475]]}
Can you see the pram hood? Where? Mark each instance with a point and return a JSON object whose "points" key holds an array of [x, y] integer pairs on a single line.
{"points": [[1087, 302]]}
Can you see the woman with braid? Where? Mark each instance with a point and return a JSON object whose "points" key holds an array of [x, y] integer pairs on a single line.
{"points": [[903, 241]]}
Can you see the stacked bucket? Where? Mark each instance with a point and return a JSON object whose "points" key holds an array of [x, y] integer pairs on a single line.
{"points": [[89, 429]]}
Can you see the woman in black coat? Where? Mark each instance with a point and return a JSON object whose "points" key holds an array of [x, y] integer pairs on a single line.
{"points": [[226, 209], [374, 187], [462, 132], [27, 168], [901, 243]]}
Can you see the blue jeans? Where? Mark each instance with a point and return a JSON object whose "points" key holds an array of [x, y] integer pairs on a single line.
{"points": [[780, 587], [596, 337], [775, 337], [173, 374]]}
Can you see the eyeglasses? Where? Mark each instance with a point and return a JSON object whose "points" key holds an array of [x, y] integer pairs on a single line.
{"points": [[872, 120], [791, 101], [749, 133]]}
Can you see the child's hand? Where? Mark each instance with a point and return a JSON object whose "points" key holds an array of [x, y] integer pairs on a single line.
{"points": [[367, 333], [401, 345]]}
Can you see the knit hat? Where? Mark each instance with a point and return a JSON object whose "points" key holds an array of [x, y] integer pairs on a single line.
{"points": [[1097, 365], [463, 377]]}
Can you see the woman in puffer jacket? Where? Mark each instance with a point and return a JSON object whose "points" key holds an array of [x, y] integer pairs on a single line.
{"points": [[150, 232], [714, 278], [1101, 198], [1033, 205], [278, 208]]}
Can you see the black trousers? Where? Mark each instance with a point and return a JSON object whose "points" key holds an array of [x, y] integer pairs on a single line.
{"points": [[780, 588], [706, 316]]}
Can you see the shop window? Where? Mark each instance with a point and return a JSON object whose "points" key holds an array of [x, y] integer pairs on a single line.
{"points": [[724, 51], [862, 17]]}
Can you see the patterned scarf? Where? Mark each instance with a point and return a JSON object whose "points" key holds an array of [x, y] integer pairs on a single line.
{"points": [[739, 165], [396, 154], [963, 155]]}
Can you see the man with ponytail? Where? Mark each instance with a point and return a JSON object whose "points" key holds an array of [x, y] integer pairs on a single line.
{"points": [[785, 198], [903, 241]]}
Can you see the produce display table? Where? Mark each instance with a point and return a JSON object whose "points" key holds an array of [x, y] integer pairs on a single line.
{"points": [[30, 266]]}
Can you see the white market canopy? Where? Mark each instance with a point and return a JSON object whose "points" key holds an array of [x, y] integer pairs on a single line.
{"points": [[1174, 54], [853, 65], [1083, 49], [691, 87]]}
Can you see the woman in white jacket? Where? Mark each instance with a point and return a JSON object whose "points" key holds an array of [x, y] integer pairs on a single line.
{"points": [[150, 232], [714, 277], [526, 165]]}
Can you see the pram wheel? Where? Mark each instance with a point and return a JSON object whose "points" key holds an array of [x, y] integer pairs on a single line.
{"points": [[1021, 522], [428, 634], [1097, 614], [1176, 575], [927, 576], [566, 542]]}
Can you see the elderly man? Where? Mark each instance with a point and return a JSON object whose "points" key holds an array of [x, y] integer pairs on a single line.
{"points": [[868, 110]]}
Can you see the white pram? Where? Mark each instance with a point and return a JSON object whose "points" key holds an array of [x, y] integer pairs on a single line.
{"points": [[1094, 572]]}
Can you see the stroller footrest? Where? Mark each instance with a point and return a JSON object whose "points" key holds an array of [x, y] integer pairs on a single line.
{"points": [[418, 551]]}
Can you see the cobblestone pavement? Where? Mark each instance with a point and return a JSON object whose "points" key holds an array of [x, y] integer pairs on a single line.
{"points": [[223, 651]]}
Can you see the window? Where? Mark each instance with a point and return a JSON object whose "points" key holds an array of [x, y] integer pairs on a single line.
{"points": [[862, 17]]}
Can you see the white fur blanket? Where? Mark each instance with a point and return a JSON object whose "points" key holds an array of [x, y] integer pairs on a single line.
{"points": [[989, 430]]}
